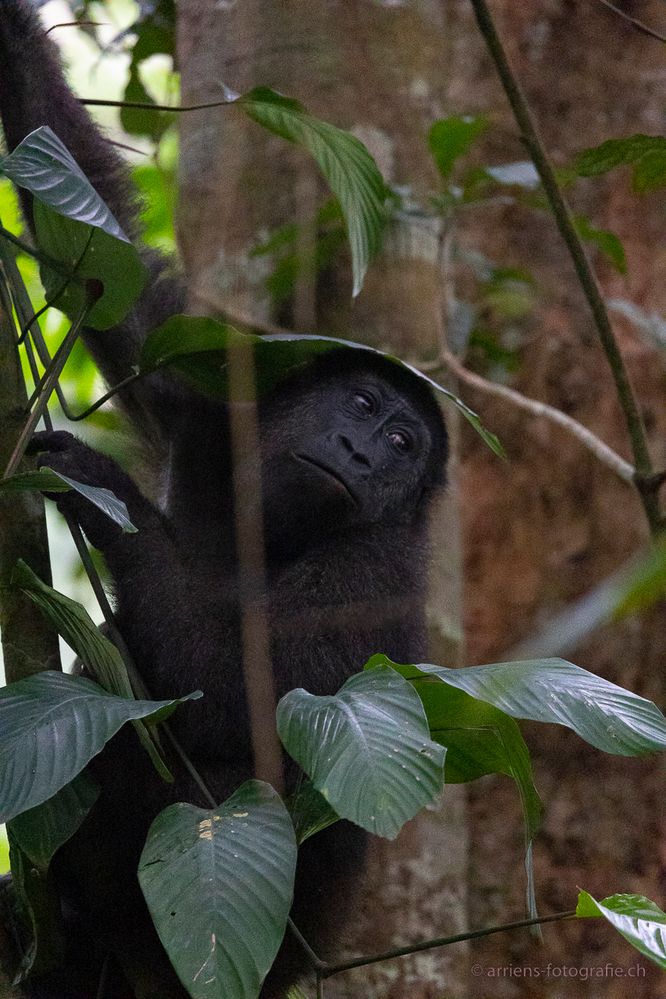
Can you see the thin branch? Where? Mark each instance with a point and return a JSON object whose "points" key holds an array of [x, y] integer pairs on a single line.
{"points": [[43, 258], [634, 22], [76, 24], [623, 469], [314, 960], [47, 387], [97, 102], [93, 407], [361, 962], [586, 277]]}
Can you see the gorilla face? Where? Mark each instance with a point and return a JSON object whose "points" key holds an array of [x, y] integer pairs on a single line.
{"points": [[347, 448]]}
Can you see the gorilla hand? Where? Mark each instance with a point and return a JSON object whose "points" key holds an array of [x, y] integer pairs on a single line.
{"points": [[64, 453]]}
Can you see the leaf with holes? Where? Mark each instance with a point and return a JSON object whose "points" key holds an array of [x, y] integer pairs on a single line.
{"points": [[219, 886], [366, 749]]}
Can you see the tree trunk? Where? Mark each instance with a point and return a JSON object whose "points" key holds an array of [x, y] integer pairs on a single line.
{"points": [[374, 69], [543, 528]]}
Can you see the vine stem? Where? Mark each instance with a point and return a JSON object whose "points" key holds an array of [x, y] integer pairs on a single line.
{"points": [[361, 962], [586, 277]]}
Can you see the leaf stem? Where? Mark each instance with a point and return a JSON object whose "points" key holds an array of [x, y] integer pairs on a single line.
{"points": [[584, 272]]}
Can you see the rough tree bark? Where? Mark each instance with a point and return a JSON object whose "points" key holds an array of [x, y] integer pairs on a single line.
{"points": [[375, 69], [545, 527]]}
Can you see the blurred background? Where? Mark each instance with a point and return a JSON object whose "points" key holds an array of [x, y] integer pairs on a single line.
{"points": [[472, 277]]}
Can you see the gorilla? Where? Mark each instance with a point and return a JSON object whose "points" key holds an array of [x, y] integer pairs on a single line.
{"points": [[352, 450]]}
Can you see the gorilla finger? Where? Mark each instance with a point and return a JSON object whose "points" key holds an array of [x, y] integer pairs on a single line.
{"points": [[50, 440]]}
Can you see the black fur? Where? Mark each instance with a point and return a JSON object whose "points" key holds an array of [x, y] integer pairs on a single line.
{"points": [[352, 450]]}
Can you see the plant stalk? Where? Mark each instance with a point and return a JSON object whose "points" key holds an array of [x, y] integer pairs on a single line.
{"points": [[584, 272]]}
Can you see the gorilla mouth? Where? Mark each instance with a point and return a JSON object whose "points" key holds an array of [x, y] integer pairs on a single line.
{"points": [[329, 472]]}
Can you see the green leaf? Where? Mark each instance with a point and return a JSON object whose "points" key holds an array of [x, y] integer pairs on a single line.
{"points": [[552, 690], [638, 919], [51, 726], [310, 812], [75, 625], [348, 167], [96, 652], [76, 228], [647, 154], [479, 739], [450, 138], [42, 830], [219, 886], [607, 242], [46, 168], [196, 347], [645, 585], [48, 480], [366, 749]]}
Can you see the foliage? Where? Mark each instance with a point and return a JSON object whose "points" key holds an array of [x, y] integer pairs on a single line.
{"points": [[646, 154], [219, 885], [219, 882]]}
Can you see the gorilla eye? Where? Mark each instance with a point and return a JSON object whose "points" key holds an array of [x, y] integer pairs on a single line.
{"points": [[400, 440], [365, 403]]}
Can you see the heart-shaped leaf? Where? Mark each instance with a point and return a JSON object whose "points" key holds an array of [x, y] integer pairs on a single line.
{"points": [[219, 886], [366, 749]]}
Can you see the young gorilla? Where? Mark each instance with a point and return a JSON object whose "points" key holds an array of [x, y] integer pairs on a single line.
{"points": [[352, 450]]}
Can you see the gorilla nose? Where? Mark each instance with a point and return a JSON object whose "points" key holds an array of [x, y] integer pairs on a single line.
{"points": [[348, 448]]}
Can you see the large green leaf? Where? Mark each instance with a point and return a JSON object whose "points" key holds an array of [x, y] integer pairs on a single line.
{"points": [[197, 348], [638, 919], [366, 749], [479, 739], [42, 830], [96, 652], [219, 886], [348, 167], [553, 690], [76, 229], [51, 726], [48, 480]]}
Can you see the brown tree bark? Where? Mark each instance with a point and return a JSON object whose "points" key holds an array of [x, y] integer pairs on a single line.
{"points": [[548, 525], [375, 69]]}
